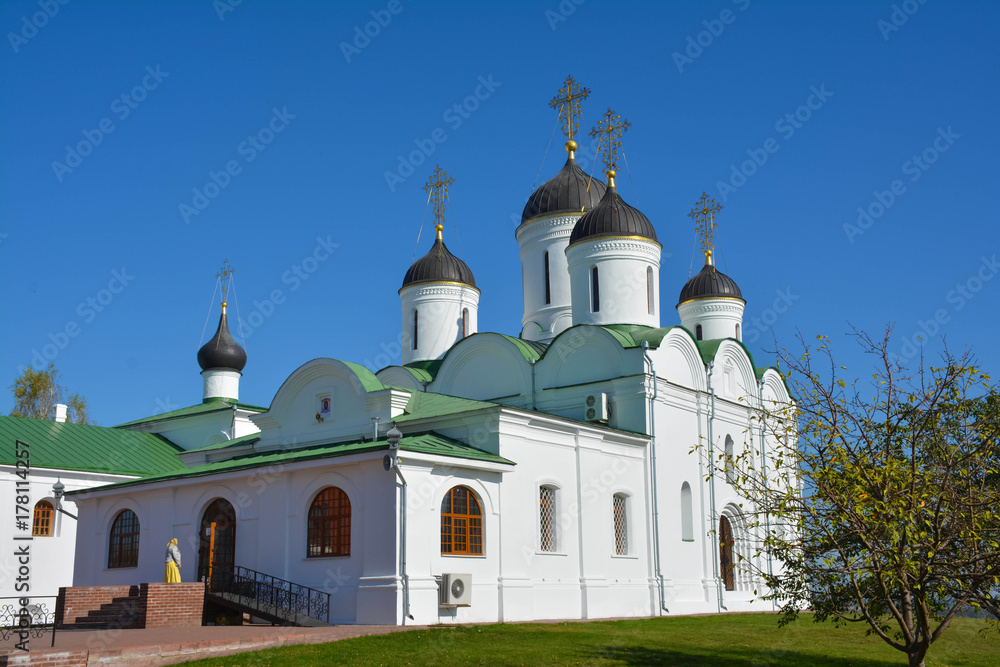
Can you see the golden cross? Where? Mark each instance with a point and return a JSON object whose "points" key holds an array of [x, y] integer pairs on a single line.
{"points": [[568, 104], [612, 132], [437, 187], [223, 275], [704, 216]]}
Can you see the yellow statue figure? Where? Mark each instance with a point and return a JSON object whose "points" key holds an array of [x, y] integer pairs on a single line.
{"points": [[172, 572]]}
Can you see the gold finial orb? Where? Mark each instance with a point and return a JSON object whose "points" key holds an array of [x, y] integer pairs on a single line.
{"points": [[224, 304], [439, 228], [571, 145]]}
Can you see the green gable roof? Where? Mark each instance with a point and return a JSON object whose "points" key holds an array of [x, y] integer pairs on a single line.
{"points": [[427, 443], [211, 405], [89, 448]]}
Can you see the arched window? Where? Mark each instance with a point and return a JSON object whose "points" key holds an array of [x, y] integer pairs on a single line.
{"points": [[461, 523], [414, 328], [726, 565], [697, 331], [329, 530], [465, 322], [687, 514], [547, 519], [41, 525], [650, 297], [730, 464], [738, 332], [619, 505], [595, 292], [123, 545], [548, 288]]}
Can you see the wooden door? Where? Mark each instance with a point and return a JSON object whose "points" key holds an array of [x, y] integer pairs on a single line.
{"points": [[726, 564], [217, 551]]}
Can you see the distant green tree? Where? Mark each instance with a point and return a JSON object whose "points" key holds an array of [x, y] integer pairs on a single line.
{"points": [[37, 392], [885, 509]]}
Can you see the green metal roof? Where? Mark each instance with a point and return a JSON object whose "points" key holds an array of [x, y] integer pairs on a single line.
{"points": [[211, 405], [424, 404], [365, 376], [235, 442], [89, 448], [427, 443]]}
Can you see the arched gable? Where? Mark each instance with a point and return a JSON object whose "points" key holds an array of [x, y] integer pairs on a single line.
{"points": [[679, 360], [402, 377], [582, 354], [733, 374], [323, 399], [485, 366], [775, 390]]}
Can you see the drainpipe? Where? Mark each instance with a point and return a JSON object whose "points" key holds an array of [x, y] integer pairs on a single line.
{"points": [[531, 362], [393, 436], [711, 487], [763, 468], [655, 498]]}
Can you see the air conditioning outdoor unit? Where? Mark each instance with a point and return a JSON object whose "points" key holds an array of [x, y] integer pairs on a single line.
{"points": [[456, 590], [595, 407]]}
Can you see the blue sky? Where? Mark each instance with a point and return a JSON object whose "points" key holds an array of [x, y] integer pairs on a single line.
{"points": [[793, 115]]}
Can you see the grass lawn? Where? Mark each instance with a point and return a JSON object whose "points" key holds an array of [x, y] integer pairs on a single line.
{"points": [[731, 639]]}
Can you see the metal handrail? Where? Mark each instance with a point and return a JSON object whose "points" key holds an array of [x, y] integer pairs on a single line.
{"points": [[270, 595], [13, 613]]}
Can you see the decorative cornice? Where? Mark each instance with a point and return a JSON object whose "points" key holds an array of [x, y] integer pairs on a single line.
{"points": [[714, 304], [606, 242], [426, 287]]}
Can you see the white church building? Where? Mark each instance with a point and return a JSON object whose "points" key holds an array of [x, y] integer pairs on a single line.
{"points": [[560, 473]]}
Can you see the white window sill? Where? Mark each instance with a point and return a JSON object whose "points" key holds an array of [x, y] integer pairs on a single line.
{"points": [[463, 555], [625, 556], [550, 553]]}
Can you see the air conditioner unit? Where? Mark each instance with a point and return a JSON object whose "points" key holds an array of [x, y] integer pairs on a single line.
{"points": [[456, 590], [595, 408]]}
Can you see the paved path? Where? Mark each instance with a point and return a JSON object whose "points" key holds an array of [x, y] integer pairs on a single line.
{"points": [[166, 646]]}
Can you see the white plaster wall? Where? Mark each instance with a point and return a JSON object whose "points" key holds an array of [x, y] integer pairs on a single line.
{"points": [[621, 265], [196, 431], [439, 323], [51, 558], [718, 317], [221, 384], [535, 237]]}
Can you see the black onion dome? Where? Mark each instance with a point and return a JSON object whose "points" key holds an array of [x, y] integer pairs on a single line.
{"points": [[612, 217], [222, 352], [566, 192], [710, 283], [439, 265]]}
